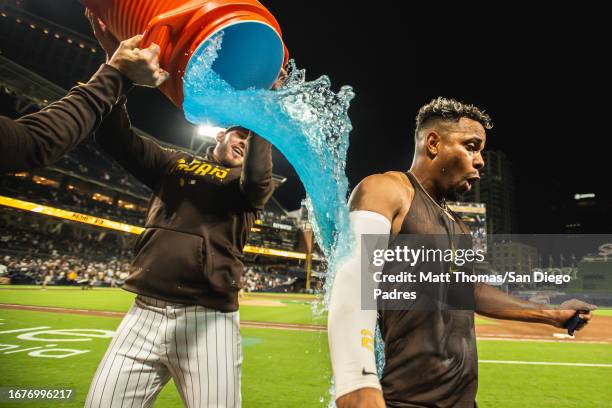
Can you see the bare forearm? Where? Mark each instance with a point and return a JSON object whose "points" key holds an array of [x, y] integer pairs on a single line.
{"points": [[494, 303]]}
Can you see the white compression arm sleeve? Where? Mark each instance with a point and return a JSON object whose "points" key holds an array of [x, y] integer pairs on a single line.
{"points": [[350, 329]]}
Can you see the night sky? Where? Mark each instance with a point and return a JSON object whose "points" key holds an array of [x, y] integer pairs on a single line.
{"points": [[542, 74]]}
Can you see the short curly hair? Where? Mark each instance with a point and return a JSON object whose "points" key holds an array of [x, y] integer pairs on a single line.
{"points": [[452, 110]]}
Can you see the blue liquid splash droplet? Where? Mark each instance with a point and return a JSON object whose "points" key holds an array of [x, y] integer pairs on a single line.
{"points": [[305, 120]]}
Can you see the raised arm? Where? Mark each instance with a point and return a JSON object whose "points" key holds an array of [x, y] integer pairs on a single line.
{"points": [[256, 179], [141, 156], [42, 138]]}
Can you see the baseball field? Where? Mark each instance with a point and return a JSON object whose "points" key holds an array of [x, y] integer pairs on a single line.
{"points": [[55, 338]]}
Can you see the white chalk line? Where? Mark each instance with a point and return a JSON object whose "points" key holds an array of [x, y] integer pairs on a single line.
{"points": [[540, 340], [552, 363]]}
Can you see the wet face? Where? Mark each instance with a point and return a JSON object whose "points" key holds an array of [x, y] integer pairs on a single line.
{"points": [[230, 147], [459, 157]]}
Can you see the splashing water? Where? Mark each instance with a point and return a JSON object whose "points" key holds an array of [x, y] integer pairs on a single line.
{"points": [[307, 122]]}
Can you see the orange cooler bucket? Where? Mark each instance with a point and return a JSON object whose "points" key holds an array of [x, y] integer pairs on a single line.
{"points": [[252, 52]]}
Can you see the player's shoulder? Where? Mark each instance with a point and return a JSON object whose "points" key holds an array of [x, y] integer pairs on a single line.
{"points": [[400, 178], [391, 190], [391, 183]]}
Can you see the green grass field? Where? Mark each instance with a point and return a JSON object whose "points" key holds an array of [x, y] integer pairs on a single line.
{"points": [[296, 310], [287, 368]]}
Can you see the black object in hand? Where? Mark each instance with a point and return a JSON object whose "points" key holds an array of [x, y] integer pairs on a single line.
{"points": [[574, 321]]}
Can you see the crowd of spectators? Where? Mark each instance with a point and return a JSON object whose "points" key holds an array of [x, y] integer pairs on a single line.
{"points": [[256, 279], [75, 199], [75, 270], [40, 250], [63, 270], [89, 245], [70, 199], [89, 161], [33, 253], [58, 253]]}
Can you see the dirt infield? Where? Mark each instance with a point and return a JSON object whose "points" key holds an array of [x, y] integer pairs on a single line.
{"points": [[50, 309], [598, 331], [284, 296], [260, 302]]}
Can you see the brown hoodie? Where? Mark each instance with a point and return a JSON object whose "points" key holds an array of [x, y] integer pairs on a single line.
{"points": [[199, 215]]}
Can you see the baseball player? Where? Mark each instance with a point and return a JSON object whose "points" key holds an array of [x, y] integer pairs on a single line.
{"points": [[187, 268], [430, 353], [42, 138]]}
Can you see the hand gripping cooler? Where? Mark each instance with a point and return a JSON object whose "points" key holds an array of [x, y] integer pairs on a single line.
{"points": [[252, 52]]}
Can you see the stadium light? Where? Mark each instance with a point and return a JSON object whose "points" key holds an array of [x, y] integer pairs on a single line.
{"points": [[207, 131], [583, 196]]}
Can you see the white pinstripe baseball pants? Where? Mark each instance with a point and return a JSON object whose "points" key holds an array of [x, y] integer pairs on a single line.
{"points": [[196, 346]]}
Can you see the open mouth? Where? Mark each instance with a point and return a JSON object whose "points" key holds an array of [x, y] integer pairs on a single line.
{"points": [[472, 180], [238, 151]]}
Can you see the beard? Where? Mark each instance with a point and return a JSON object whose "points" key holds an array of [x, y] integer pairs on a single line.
{"points": [[228, 158]]}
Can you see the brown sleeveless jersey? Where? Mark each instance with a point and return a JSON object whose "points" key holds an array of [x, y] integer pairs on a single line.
{"points": [[430, 349]]}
